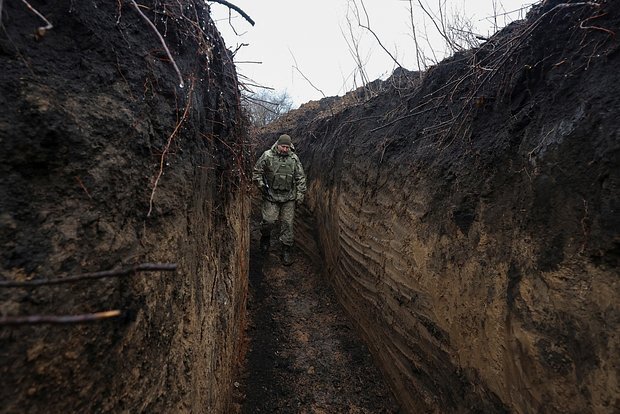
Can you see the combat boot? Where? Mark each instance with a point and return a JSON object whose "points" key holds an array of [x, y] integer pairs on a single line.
{"points": [[287, 257]]}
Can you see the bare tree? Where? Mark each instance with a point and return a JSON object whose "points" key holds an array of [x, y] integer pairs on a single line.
{"points": [[357, 16], [457, 30], [296, 67], [414, 34], [266, 106], [365, 24], [353, 43]]}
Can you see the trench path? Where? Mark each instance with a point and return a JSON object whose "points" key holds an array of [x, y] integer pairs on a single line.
{"points": [[303, 354]]}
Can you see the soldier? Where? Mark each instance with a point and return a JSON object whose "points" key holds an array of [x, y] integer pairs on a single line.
{"points": [[280, 177]]}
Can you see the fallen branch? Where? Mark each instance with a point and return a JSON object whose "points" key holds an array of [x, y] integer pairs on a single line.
{"points": [[62, 319], [129, 271], [161, 39], [235, 8]]}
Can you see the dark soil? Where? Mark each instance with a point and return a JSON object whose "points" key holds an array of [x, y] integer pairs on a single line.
{"points": [[304, 356], [90, 111]]}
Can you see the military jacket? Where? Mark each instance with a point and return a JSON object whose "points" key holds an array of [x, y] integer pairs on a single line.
{"points": [[280, 176]]}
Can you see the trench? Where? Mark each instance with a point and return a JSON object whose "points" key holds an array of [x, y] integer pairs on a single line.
{"points": [[303, 353], [473, 242]]}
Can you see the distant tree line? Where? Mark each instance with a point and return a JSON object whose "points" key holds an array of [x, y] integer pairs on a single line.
{"points": [[266, 106]]}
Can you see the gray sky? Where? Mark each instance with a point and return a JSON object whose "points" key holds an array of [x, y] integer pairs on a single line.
{"points": [[294, 39]]}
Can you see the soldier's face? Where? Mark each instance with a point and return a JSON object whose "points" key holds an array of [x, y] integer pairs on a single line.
{"points": [[284, 148]]}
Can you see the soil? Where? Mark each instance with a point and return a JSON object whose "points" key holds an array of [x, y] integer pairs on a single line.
{"points": [[469, 217], [91, 111], [304, 355], [466, 219]]}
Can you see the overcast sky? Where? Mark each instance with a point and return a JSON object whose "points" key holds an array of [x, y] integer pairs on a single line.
{"points": [[298, 39]]}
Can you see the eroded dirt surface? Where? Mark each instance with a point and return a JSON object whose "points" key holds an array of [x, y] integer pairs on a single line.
{"points": [[475, 241], [303, 355], [90, 113]]}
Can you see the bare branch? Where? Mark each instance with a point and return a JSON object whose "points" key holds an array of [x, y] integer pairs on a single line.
{"points": [[60, 319], [83, 186], [520, 10], [266, 106], [354, 48], [415, 40], [612, 34], [235, 8], [129, 271], [162, 160], [495, 14], [441, 32], [304, 76], [514, 44], [239, 46], [119, 9], [372, 32], [161, 39], [41, 30]]}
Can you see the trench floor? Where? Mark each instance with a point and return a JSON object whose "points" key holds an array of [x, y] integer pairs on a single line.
{"points": [[303, 354]]}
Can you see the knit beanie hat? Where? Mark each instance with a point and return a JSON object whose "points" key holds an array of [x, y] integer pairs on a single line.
{"points": [[284, 140]]}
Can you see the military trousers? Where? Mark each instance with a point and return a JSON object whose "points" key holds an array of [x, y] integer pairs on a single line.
{"points": [[282, 212]]}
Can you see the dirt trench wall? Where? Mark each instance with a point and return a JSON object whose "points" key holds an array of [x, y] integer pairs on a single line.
{"points": [[469, 222], [90, 113]]}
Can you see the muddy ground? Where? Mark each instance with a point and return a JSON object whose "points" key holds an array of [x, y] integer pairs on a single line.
{"points": [[303, 354]]}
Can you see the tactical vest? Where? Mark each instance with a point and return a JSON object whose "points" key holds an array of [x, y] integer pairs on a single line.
{"points": [[281, 178]]}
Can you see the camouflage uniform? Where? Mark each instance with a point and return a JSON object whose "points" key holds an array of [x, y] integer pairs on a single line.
{"points": [[281, 178]]}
